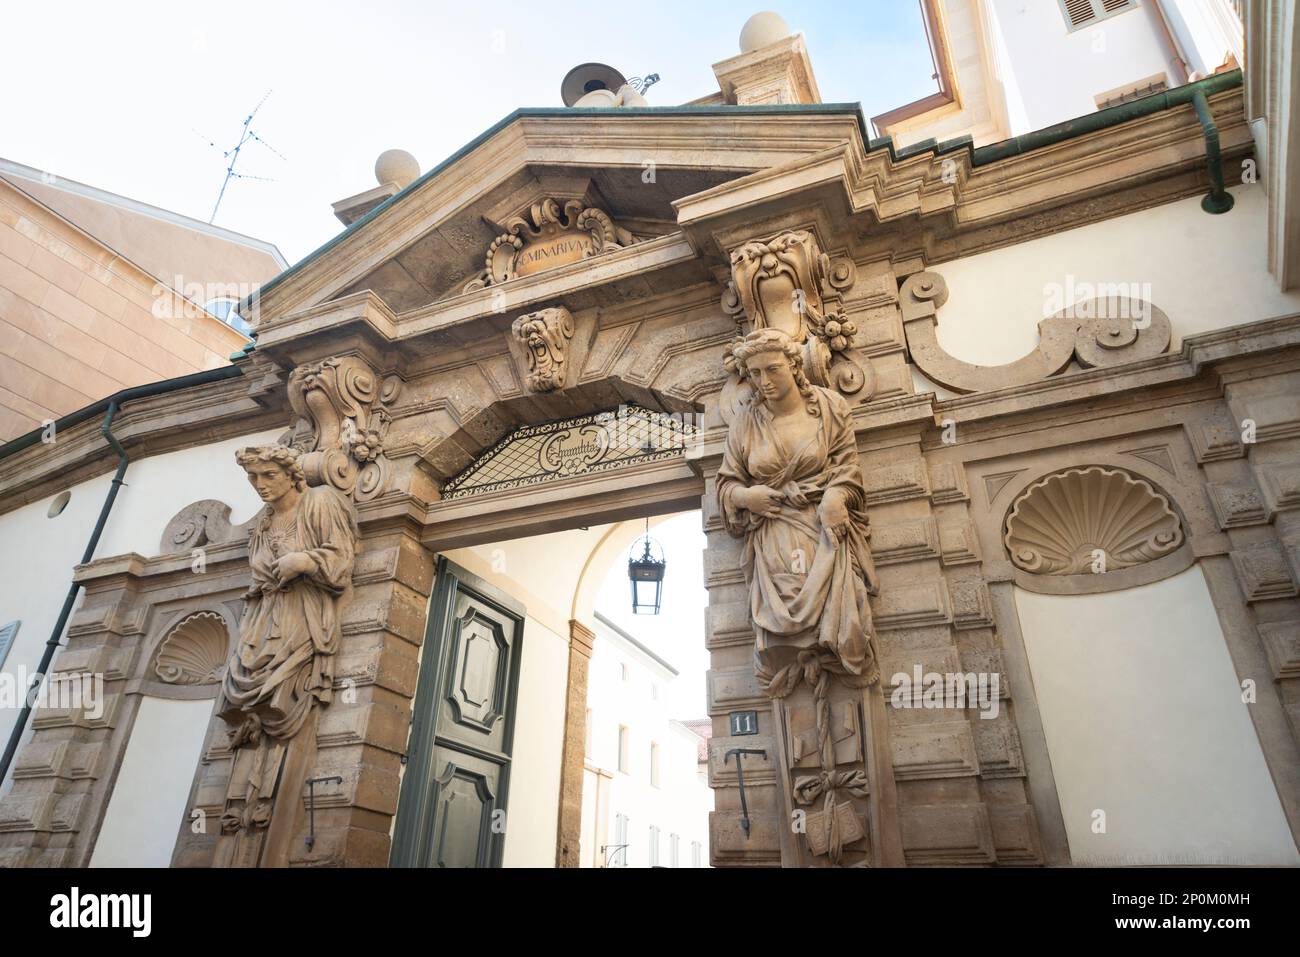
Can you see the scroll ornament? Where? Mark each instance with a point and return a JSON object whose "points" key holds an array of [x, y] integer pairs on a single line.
{"points": [[1100, 332], [545, 337], [787, 283], [591, 230], [345, 407]]}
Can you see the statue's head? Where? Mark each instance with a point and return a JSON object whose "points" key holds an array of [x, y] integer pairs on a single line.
{"points": [[273, 470], [773, 364]]}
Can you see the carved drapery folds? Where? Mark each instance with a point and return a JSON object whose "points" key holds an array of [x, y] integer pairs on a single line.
{"points": [[545, 336], [547, 236], [281, 671], [787, 283], [345, 408], [1104, 331], [194, 652], [1089, 520], [791, 486]]}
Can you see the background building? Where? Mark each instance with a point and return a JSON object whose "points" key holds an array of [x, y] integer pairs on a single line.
{"points": [[99, 293], [644, 802]]}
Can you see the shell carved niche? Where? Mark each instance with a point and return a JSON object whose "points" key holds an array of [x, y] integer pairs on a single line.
{"points": [[194, 652], [1088, 520]]}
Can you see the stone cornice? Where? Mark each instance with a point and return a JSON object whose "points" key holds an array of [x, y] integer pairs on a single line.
{"points": [[224, 410], [135, 565], [145, 427], [945, 206], [943, 202]]}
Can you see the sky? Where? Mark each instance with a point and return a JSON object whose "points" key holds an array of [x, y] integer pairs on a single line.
{"points": [[129, 96]]}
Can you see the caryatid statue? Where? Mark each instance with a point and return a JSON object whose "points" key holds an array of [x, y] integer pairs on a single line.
{"points": [[301, 553], [791, 485]]}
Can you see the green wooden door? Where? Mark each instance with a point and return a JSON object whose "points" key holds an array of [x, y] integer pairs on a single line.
{"points": [[452, 807]]}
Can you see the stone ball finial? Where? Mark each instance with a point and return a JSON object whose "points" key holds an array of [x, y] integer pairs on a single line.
{"points": [[762, 30], [397, 166]]}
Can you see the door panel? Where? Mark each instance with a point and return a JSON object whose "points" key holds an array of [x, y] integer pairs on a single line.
{"points": [[452, 809]]}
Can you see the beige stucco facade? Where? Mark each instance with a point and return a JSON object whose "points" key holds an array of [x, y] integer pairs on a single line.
{"points": [[93, 297]]}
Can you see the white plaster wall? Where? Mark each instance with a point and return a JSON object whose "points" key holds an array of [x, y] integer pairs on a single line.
{"points": [[37, 554], [1202, 28], [1057, 74], [533, 804], [1206, 272], [148, 804], [1144, 720]]}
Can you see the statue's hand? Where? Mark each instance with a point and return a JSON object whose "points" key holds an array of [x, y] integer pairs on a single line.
{"points": [[834, 513], [762, 500], [290, 566]]}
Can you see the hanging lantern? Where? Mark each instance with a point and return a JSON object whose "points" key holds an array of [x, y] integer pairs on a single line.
{"points": [[646, 573]]}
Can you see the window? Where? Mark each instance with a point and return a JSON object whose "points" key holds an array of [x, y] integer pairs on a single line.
{"points": [[673, 841], [1082, 13], [586, 736], [624, 749], [654, 764], [7, 635], [654, 846], [227, 311], [59, 504], [616, 853], [695, 854]]}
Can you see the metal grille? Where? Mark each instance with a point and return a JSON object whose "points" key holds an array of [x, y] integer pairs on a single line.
{"points": [[582, 445]]}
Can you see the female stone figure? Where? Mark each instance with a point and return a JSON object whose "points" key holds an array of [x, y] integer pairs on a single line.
{"points": [[301, 554], [791, 485]]}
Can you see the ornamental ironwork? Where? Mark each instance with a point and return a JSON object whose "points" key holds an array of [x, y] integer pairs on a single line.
{"points": [[533, 454]]}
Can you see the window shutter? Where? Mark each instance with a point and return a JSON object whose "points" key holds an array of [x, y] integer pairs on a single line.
{"points": [[1079, 13], [7, 635]]}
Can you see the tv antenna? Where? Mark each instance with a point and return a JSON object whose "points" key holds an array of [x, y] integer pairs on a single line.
{"points": [[246, 135]]}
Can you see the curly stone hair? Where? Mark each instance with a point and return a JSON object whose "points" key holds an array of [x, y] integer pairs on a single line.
{"points": [[287, 458], [772, 340]]}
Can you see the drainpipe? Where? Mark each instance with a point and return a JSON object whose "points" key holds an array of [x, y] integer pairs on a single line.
{"points": [[1171, 41], [123, 460], [1219, 200]]}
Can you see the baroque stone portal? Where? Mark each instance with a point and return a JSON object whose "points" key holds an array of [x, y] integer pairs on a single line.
{"points": [[301, 554], [791, 485]]}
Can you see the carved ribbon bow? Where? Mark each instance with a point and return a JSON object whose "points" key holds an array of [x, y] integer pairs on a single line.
{"points": [[827, 784]]}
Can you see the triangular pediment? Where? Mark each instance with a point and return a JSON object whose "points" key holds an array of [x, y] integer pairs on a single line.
{"points": [[543, 221], [427, 242]]}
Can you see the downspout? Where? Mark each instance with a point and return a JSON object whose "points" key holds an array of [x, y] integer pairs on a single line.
{"points": [[1219, 200], [1184, 74], [123, 460]]}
